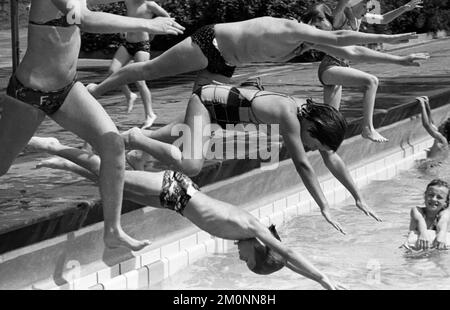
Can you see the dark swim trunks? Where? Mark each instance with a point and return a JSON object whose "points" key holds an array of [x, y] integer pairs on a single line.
{"points": [[328, 62], [134, 48], [226, 105], [205, 38], [177, 189], [49, 102]]}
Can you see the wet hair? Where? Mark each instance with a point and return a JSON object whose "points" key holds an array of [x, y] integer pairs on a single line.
{"points": [[329, 125], [317, 13], [440, 183], [444, 129], [267, 261]]}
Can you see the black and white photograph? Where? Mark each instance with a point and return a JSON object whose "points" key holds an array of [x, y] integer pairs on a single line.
{"points": [[224, 151]]}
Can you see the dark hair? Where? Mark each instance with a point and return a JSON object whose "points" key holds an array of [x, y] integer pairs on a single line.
{"points": [[329, 126], [267, 261], [318, 12], [444, 129], [440, 183]]}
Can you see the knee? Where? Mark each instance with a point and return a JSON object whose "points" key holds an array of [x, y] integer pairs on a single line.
{"points": [[371, 82], [192, 169], [111, 144]]}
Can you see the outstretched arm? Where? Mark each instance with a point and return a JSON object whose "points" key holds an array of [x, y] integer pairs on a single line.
{"points": [[153, 7], [100, 22], [338, 168], [364, 54], [306, 33], [428, 123], [290, 129], [391, 15], [441, 230], [294, 261], [418, 222]]}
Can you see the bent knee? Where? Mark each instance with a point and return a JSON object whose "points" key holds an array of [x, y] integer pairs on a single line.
{"points": [[110, 142], [192, 169], [371, 81]]}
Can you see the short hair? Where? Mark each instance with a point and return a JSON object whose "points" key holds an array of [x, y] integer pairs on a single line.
{"points": [[444, 129], [440, 183], [318, 11], [329, 125], [267, 261]]}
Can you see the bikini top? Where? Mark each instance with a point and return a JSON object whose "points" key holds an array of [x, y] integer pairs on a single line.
{"points": [[57, 22]]}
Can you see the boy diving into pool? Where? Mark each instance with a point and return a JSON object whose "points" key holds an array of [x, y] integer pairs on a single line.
{"points": [[260, 247]]}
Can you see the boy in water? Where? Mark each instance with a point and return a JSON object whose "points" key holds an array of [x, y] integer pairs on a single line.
{"points": [[434, 216]]}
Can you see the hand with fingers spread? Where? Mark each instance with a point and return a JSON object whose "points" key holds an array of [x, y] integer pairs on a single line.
{"points": [[331, 285], [413, 4], [367, 210], [422, 242], [335, 224], [411, 59], [164, 25], [400, 38]]}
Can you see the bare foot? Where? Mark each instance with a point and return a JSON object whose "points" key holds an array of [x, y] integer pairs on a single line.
{"points": [[117, 239], [149, 120], [136, 160], [130, 136], [131, 101], [48, 145], [92, 88], [53, 163], [373, 135]]}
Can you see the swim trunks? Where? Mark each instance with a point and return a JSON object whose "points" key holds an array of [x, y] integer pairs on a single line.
{"points": [[226, 105], [133, 48], [328, 62], [49, 102], [177, 189], [205, 38]]}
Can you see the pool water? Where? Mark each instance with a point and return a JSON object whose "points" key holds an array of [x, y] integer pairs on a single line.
{"points": [[368, 257]]}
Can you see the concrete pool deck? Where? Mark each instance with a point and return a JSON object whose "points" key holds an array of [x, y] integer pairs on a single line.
{"points": [[51, 260]]}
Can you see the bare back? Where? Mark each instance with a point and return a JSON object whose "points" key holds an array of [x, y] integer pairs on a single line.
{"points": [[51, 58], [263, 39]]}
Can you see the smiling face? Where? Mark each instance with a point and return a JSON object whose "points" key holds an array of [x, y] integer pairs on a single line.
{"points": [[436, 198]]}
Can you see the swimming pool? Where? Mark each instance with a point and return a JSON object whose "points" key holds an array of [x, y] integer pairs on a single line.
{"points": [[368, 257]]}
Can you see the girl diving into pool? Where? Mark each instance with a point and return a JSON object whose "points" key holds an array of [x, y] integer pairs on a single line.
{"points": [[260, 247], [301, 123], [45, 84]]}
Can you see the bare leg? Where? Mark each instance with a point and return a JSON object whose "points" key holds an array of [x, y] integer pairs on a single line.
{"points": [[84, 116], [356, 78], [121, 58], [191, 160], [18, 123], [146, 95], [86, 164], [181, 58]]}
